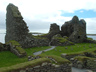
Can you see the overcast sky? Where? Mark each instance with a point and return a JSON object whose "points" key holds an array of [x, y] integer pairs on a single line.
{"points": [[39, 14]]}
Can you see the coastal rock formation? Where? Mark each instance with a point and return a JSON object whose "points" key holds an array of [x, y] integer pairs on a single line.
{"points": [[16, 29], [54, 29], [74, 29]]}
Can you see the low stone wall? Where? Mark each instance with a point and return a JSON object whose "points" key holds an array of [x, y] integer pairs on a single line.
{"points": [[17, 52], [47, 67], [69, 56], [88, 54], [91, 64], [84, 62]]}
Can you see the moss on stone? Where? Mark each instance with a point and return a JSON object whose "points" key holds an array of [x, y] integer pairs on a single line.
{"points": [[82, 58], [62, 40], [89, 38], [20, 50], [59, 59], [13, 42], [17, 46]]}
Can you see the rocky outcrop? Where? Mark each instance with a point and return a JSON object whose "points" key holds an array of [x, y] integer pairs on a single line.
{"points": [[74, 29], [54, 29], [16, 29]]}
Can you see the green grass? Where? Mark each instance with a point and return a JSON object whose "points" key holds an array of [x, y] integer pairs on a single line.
{"points": [[7, 58], [24, 65], [59, 59], [81, 47], [30, 51]]}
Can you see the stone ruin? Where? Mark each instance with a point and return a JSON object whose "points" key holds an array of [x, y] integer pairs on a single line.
{"points": [[54, 29], [16, 29], [75, 30]]}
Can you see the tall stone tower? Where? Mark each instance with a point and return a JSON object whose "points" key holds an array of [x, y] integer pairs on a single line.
{"points": [[16, 29]]}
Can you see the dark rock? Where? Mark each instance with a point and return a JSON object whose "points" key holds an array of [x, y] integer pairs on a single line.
{"points": [[75, 30], [54, 29]]}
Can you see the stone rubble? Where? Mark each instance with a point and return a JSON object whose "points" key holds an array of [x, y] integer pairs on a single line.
{"points": [[48, 67]]}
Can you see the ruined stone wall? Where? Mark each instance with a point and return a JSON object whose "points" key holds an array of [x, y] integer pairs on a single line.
{"points": [[16, 29], [54, 29], [74, 29]]}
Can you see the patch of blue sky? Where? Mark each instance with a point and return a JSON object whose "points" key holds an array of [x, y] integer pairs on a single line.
{"points": [[80, 13]]}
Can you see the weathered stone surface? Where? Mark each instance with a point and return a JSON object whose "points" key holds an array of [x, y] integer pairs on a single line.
{"points": [[74, 29], [16, 29], [54, 29], [47, 67], [84, 62], [58, 40], [4, 47], [16, 48]]}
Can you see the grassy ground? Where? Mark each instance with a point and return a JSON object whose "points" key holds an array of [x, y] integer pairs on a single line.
{"points": [[71, 49], [24, 65], [7, 58], [30, 51]]}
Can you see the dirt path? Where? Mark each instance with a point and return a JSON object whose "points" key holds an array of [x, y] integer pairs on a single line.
{"points": [[39, 52]]}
